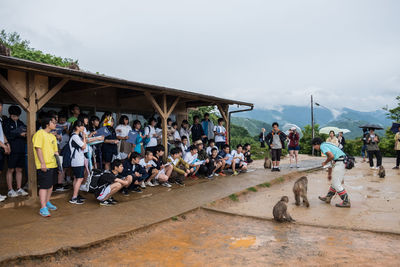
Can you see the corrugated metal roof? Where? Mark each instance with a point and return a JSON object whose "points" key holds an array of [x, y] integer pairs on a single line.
{"points": [[79, 75]]}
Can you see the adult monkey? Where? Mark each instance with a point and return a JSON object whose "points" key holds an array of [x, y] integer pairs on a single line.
{"points": [[336, 169]]}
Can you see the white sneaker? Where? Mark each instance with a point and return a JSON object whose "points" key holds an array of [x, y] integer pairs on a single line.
{"points": [[376, 168], [372, 168], [142, 185], [149, 183], [12, 193], [291, 166], [2, 198], [156, 183], [22, 192], [166, 184], [297, 166]]}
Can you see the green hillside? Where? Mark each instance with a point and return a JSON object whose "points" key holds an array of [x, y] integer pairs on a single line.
{"points": [[251, 125]]}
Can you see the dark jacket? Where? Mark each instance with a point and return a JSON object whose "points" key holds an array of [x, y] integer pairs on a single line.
{"points": [[197, 132], [12, 130], [105, 180], [110, 148], [270, 136], [202, 154]]}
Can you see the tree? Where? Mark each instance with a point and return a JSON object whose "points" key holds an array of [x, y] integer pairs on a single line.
{"points": [[394, 113], [21, 49], [200, 111], [305, 141]]}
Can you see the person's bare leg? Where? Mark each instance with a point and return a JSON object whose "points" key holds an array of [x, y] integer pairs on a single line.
{"points": [[77, 186], [114, 188], [107, 166], [296, 155], [48, 195], [168, 170], [18, 177], [9, 177], [291, 156], [43, 197]]}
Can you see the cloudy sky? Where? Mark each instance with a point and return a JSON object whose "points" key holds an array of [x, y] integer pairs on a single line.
{"points": [[345, 52]]}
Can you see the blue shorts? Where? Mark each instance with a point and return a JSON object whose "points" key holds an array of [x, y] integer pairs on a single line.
{"points": [[297, 148], [79, 172]]}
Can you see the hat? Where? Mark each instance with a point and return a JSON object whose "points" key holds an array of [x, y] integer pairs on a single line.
{"points": [[198, 142], [293, 128]]}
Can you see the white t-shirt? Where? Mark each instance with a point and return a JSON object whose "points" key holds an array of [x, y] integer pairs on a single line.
{"points": [[1, 131], [240, 156], [184, 149], [144, 164], [208, 150], [220, 129], [149, 130], [123, 130], [177, 136], [189, 158], [78, 159], [186, 133]]}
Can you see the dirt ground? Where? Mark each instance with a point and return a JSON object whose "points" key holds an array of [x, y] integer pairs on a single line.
{"points": [[204, 238]]}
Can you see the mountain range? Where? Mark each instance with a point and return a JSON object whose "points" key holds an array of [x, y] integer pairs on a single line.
{"points": [[346, 118]]}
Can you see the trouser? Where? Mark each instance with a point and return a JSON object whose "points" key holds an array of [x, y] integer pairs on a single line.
{"points": [[336, 182], [378, 156], [398, 158], [276, 154], [364, 152]]}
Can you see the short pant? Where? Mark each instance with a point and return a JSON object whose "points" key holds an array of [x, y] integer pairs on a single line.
{"points": [[47, 179]]}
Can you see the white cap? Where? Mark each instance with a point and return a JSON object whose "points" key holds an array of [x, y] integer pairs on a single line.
{"points": [[293, 128]]}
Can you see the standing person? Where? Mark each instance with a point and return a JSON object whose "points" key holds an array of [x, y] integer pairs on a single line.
{"points": [[110, 145], [397, 149], [336, 170], [94, 125], [151, 135], [220, 134], [45, 147], [247, 153], [185, 130], [77, 146], [332, 139], [364, 152], [75, 111], [341, 141], [294, 146], [15, 131], [123, 130], [208, 126], [262, 137], [4, 146], [197, 130], [373, 149], [137, 126], [276, 142]]}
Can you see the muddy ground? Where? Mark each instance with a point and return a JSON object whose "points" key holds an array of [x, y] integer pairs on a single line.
{"points": [[204, 238]]}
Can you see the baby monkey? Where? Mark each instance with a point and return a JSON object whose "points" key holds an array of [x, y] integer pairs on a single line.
{"points": [[280, 211], [267, 163], [381, 172], [300, 190]]}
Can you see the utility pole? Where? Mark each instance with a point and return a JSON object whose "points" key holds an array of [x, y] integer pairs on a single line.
{"points": [[312, 123]]}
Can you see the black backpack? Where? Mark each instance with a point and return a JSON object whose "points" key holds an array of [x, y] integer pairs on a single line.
{"points": [[93, 179], [349, 162]]}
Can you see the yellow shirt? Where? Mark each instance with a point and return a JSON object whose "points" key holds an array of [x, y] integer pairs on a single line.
{"points": [[48, 143], [396, 138]]}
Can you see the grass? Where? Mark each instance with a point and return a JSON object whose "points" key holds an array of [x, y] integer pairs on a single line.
{"points": [[280, 179], [267, 184], [174, 218], [234, 197], [252, 189]]}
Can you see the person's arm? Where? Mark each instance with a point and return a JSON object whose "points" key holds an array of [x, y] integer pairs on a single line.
{"points": [[39, 154], [329, 158]]}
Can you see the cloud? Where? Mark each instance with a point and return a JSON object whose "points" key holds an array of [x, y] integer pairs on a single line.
{"points": [[271, 53]]}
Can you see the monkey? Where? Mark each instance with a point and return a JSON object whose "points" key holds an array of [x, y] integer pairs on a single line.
{"points": [[267, 163], [4, 50], [73, 66], [300, 190], [280, 211], [381, 172]]}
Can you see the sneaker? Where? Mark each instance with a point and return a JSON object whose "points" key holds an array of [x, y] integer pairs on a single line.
{"points": [[395, 167], [291, 166], [44, 212], [155, 183], [21, 192], [372, 168], [222, 174], [12, 193], [297, 166], [278, 169], [142, 185], [325, 199], [273, 169], [112, 200], [125, 192], [50, 206], [105, 203], [137, 190], [179, 182], [166, 184], [235, 173], [216, 174], [343, 204], [210, 176], [149, 183], [61, 188], [76, 201], [81, 197], [2, 198]]}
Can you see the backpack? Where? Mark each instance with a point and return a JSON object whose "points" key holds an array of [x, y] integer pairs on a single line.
{"points": [[349, 162], [92, 182], [66, 154]]}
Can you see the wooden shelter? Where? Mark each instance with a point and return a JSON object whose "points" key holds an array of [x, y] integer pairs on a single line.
{"points": [[33, 85]]}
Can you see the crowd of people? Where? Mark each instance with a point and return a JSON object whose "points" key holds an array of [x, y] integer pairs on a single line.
{"points": [[70, 148]]}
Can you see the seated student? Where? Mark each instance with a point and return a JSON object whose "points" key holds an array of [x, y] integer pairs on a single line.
{"points": [[247, 153], [180, 167], [184, 145], [132, 168], [191, 159], [110, 145], [211, 145], [77, 146], [238, 162], [205, 168], [224, 157], [111, 182], [215, 164], [164, 170], [15, 131], [150, 166]]}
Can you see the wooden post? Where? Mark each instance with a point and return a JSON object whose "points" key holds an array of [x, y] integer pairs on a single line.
{"points": [[164, 118]]}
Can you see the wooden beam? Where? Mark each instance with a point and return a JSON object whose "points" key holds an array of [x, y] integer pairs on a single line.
{"points": [[51, 93], [13, 92], [171, 109], [222, 111], [165, 105], [154, 103]]}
